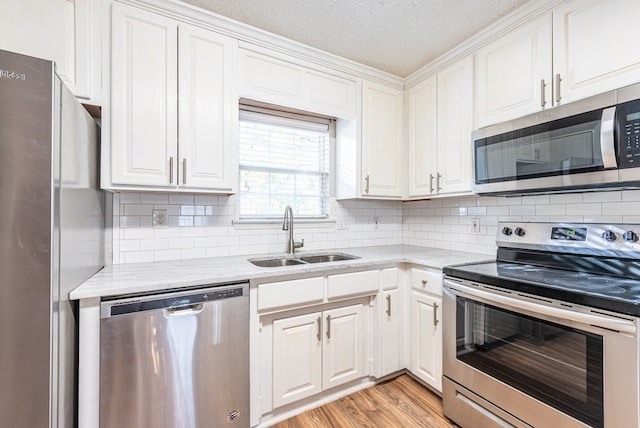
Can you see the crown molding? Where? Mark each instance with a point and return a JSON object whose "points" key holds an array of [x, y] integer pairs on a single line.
{"points": [[247, 34]]}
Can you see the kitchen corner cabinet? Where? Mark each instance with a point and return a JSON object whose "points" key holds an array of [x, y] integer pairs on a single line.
{"points": [[426, 326], [64, 31], [440, 121], [382, 141], [167, 76], [581, 48], [317, 351]]}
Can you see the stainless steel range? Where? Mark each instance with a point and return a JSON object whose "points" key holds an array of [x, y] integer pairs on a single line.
{"points": [[546, 335]]}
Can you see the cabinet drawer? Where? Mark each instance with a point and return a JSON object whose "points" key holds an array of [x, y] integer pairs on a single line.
{"points": [[427, 281], [353, 283], [286, 293]]}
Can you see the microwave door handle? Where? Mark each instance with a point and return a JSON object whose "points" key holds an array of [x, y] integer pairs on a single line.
{"points": [[607, 141]]}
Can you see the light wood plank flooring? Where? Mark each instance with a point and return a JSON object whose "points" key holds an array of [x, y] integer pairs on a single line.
{"points": [[400, 402]]}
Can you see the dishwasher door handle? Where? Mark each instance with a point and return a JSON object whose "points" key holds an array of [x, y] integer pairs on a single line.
{"points": [[184, 310]]}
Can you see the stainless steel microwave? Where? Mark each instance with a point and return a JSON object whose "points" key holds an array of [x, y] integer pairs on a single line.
{"points": [[588, 144]]}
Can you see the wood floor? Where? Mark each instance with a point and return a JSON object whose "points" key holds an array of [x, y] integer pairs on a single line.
{"points": [[400, 402]]}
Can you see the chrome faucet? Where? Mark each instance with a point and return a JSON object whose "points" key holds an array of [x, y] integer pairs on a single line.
{"points": [[288, 225]]}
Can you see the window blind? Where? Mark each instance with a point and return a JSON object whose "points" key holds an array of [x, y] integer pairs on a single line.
{"points": [[284, 160]]}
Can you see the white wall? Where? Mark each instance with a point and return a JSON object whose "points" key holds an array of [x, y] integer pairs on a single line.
{"points": [[200, 225], [446, 223]]}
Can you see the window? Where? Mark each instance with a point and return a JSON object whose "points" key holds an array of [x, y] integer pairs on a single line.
{"points": [[284, 160]]}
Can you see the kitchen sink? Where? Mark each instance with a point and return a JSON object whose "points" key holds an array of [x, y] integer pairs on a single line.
{"points": [[276, 262], [311, 258], [324, 258]]}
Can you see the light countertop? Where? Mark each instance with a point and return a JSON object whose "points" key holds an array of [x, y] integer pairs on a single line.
{"points": [[138, 278]]}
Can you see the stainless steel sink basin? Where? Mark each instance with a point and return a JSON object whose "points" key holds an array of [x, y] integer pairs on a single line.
{"points": [[324, 258], [277, 262], [311, 258]]}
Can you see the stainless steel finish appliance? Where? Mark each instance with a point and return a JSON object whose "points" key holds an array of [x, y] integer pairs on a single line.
{"points": [[177, 360], [548, 334], [588, 144], [51, 229]]}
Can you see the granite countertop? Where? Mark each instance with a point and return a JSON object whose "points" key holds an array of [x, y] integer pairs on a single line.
{"points": [[138, 278]]}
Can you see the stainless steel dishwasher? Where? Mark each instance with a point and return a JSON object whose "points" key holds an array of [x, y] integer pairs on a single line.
{"points": [[178, 360]]}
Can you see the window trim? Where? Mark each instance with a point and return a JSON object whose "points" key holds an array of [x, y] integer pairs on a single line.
{"points": [[276, 115]]}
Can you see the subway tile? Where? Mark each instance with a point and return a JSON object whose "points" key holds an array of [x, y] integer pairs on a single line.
{"points": [[181, 199], [154, 198], [615, 196]]}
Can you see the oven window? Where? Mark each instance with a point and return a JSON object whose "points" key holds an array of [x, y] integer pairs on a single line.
{"points": [[557, 365], [565, 146]]}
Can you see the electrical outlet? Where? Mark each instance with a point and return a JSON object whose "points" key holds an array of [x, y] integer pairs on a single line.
{"points": [[475, 225], [343, 223], [375, 222], [159, 218]]}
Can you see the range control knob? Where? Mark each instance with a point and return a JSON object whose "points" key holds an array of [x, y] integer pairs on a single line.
{"points": [[630, 236], [506, 231], [609, 235], [519, 231]]}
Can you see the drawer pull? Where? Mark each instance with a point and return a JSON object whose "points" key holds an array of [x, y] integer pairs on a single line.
{"points": [[328, 326], [424, 282], [319, 335], [388, 305], [435, 314]]}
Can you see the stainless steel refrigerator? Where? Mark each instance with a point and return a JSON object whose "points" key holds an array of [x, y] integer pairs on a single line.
{"points": [[51, 239]]}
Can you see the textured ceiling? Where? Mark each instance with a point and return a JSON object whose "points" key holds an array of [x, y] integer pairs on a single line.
{"points": [[397, 36]]}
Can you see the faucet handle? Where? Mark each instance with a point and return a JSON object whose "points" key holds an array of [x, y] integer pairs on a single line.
{"points": [[298, 244]]}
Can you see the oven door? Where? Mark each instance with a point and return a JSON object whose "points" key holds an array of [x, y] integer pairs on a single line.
{"points": [[517, 360]]}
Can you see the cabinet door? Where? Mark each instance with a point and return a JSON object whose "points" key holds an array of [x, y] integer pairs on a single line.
{"points": [[390, 332], [513, 74], [455, 121], [143, 97], [344, 342], [595, 46], [426, 339], [208, 110], [423, 138], [382, 122], [297, 358]]}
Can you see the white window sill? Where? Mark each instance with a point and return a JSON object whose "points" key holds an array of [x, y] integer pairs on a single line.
{"points": [[277, 224]]}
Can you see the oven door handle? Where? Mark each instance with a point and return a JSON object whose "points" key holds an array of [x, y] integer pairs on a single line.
{"points": [[610, 323]]}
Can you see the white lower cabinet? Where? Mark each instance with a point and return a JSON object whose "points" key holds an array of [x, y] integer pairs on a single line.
{"points": [[426, 338], [317, 351], [390, 332], [426, 326]]}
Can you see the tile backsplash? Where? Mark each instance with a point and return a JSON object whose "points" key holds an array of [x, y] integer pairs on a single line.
{"points": [[202, 225]]}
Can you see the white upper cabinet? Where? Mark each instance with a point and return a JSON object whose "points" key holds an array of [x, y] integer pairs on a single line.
{"points": [[144, 87], [440, 121], [382, 124], [513, 74], [422, 138], [141, 145], [64, 31], [581, 48], [275, 81], [595, 47], [208, 109]]}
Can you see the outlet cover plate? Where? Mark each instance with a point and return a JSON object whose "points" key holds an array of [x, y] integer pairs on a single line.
{"points": [[159, 218]]}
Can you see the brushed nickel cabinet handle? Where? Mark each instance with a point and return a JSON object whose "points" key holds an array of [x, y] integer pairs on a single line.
{"points": [[184, 171], [438, 185], [328, 326], [389, 305], [558, 80], [424, 282], [543, 86], [430, 183], [366, 188], [435, 314], [171, 170], [319, 335]]}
